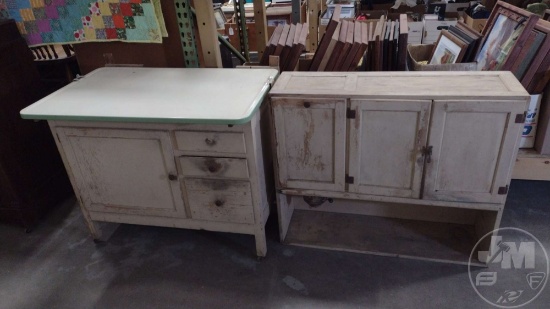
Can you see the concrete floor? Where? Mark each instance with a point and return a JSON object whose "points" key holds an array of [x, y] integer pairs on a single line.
{"points": [[59, 266]]}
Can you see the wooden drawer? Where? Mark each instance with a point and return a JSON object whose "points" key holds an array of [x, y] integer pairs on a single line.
{"points": [[214, 167], [220, 200], [216, 142]]}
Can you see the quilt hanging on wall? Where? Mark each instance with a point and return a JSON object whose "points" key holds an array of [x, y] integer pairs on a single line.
{"points": [[76, 21]]}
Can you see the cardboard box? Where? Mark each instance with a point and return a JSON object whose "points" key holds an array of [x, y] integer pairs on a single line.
{"points": [[530, 128], [457, 7], [419, 53], [347, 12], [433, 27], [477, 24], [402, 9], [416, 28]]}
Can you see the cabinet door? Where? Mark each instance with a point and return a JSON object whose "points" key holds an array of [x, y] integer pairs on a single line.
{"points": [[386, 140], [124, 171], [311, 141], [474, 144]]}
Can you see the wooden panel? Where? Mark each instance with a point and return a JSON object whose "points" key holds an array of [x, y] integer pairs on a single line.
{"points": [[220, 200], [325, 40], [111, 175], [402, 45], [330, 48], [285, 209], [474, 143], [215, 142], [357, 40], [339, 46], [392, 210], [298, 47], [386, 143], [348, 41], [208, 34], [392, 199], [422, 240], [403, 85], [531, 166], [282, 41], [542, 140], [174, 222], [313, 21], [283, 58], [311, 142], [214, 167], [261, 27]]}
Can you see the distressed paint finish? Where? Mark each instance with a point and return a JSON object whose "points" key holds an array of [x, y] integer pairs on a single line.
{"points": [[473, 150], [386, 141], [217, 142], [220, 200], [108, 166], [393, 119], [214, 167], [156, 174], [311, 142]]}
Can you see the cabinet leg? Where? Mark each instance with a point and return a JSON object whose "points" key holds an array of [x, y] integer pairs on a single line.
{"points": [[285, 209], [94, 230], [261, 244]]}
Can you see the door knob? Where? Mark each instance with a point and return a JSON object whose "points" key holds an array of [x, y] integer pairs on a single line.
{"points": [[210, 142]]}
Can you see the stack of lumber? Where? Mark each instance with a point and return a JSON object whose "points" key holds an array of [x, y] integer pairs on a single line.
{"points": [[288, 42], [378, 45]]}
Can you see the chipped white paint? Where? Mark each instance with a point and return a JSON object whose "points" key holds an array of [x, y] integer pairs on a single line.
{"points": [[367, 137], [153, 174]]}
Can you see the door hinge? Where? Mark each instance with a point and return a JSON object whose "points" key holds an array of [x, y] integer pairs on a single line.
{"points": [[503, 190], [427, 152], [350, 113], [349, 179], [520, 118]]}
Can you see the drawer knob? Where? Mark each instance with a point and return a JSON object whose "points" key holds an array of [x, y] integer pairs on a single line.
{"points": [[210, 142], [172, 177], [219, 203], [212, 165], [307, 104]]}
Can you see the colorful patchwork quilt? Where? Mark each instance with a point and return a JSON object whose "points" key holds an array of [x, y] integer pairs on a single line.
{"points": [[74, 21]]}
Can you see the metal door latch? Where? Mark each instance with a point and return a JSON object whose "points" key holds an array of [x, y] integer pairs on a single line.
{"points": [[427, 152]]}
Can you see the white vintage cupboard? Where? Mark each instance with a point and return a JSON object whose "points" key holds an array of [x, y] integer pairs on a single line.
{"points": [[166, 147], [395, 163]]}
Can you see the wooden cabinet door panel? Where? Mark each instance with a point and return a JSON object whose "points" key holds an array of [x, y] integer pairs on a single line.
{"points": [[386, 141], [124, 171], [311, 141], [474, 143]]}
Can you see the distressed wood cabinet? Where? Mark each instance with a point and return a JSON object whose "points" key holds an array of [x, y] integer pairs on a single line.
{"points": [[159, 147], [433, 151]]}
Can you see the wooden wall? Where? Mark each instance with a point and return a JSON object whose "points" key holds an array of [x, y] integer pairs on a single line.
{"points": [[168, 54]]}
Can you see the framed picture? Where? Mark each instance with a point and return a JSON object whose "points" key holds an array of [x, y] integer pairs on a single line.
{"points": [[536, 75], [532, 54], [448, 49], [219, 16], [506, 32]]}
